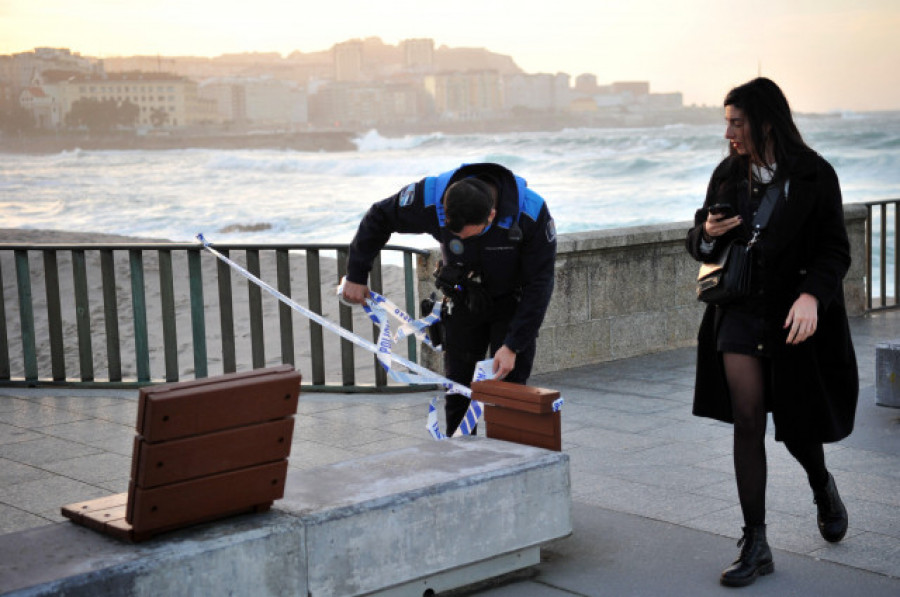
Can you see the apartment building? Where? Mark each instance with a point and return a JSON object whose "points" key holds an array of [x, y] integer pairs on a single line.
{"points": [[257, 100], [163, 100], [465, 95]]}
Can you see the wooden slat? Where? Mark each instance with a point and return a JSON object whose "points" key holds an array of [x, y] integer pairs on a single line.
{"points": [[111, 315], [188, 408], [218, 495], [212, 453], [54, 316], [517, 396], [539, 430]]}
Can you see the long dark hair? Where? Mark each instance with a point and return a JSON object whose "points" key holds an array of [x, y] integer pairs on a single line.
{"points": [[765, 106]]}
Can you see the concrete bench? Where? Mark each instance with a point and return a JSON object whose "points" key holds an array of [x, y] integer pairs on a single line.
{"points": [[415, 521], [887, 374], [204, 449]]}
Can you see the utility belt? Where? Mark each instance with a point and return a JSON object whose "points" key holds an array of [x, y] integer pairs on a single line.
{"points": [[463, 288]]}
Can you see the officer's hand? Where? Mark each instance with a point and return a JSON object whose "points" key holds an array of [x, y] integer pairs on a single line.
{"points": [[504, 362], [355, 293]]}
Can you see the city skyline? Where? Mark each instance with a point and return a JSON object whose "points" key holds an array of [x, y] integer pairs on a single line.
{"points": [[827, 55]]}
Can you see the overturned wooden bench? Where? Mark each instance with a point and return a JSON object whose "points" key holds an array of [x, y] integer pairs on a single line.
{"points": [[205, 449], [520, 414]]}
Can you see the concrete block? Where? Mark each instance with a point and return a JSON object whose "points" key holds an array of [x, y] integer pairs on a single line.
{"points": [[887, 374], [407, 515], [430, 517], [259, 554]]}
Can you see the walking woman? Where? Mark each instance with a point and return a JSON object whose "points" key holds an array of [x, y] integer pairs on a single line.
{"points": [[785, 349]]}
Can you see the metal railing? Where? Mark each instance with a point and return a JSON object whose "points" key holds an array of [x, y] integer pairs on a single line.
{"points": [[882, 224], [111, 302]]}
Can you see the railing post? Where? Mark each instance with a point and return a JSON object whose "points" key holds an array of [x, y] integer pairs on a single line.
{"points": [[285, 314], [26, 315], [226, 315], [895, 247], [882, 238], [5, 372], [198, 319], [376, 283], [869, 225], [348, 372], [167, 304], [314, 292], [83, 316], [409, 286], [257, 338], [111, 314], [54, 316], [139, 314]]}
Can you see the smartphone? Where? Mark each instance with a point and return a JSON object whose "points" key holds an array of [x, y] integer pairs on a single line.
{"points": [[722, 209]]}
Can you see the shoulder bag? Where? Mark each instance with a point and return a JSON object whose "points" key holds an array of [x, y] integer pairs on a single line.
{"points": [[727, 279]]}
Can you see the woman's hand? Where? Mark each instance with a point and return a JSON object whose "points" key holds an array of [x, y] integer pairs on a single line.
{"points": [[802, 318], [717, 225]]}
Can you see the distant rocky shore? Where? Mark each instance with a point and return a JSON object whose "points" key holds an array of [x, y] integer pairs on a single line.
{"points": [[301, 141]]}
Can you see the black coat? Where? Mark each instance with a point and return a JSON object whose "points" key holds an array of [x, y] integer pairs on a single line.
{"points": [[814, 385]]}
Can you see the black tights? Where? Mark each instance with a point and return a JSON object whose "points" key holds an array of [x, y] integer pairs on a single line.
{"points": [[746, 377]]}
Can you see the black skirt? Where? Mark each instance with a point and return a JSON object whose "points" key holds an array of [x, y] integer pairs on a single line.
{"points": [[743, 332]]}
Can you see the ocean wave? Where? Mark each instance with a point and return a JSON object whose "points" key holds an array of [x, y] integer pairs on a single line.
{"points": [[373, 141]]}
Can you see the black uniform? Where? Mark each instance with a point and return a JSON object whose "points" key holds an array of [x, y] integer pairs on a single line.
{"points": [[505, 274]]}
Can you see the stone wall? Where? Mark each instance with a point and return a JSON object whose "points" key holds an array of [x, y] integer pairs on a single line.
{"points": [[630, 291]]}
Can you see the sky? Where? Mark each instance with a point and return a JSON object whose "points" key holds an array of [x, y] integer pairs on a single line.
{"points": [[826, 55]]}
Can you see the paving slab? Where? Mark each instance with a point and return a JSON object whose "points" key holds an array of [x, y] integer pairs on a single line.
{"points": [[655, 506]]}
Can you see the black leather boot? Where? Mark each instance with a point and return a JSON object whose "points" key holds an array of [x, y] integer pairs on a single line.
{"points": [[832, 516], [755, 559]]}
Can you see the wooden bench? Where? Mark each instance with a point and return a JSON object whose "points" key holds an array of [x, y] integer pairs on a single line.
{"points": [[520, 414], [205, 449]]}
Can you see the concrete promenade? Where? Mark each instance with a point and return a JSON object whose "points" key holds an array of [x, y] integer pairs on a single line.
{"points": [[655, 508]]}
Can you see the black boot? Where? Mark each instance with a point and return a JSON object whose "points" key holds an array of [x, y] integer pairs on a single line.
{"points": [[832, 516], [755, 559]]}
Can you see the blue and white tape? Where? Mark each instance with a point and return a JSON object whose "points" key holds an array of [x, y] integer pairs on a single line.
{"points": [[379, 309], [483, 370]]}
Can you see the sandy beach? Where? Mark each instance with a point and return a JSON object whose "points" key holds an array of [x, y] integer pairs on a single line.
{"points": [[364, 361]]}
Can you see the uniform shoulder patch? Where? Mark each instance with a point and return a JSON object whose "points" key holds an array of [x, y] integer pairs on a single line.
{"points": [[407, 195], [551, 231]]}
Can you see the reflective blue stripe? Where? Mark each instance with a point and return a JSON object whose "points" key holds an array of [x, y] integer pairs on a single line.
{"points": [[530, 203]]}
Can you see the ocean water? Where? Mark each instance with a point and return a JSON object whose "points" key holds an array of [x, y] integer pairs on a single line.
{"points": [[591, 179]]}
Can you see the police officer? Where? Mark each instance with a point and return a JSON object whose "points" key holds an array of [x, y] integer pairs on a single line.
{"points": [[498, 246]]}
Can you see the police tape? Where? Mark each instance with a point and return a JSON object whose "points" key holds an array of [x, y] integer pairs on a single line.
{"points": [[378, 309], [483, 370], [383, 351]]}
